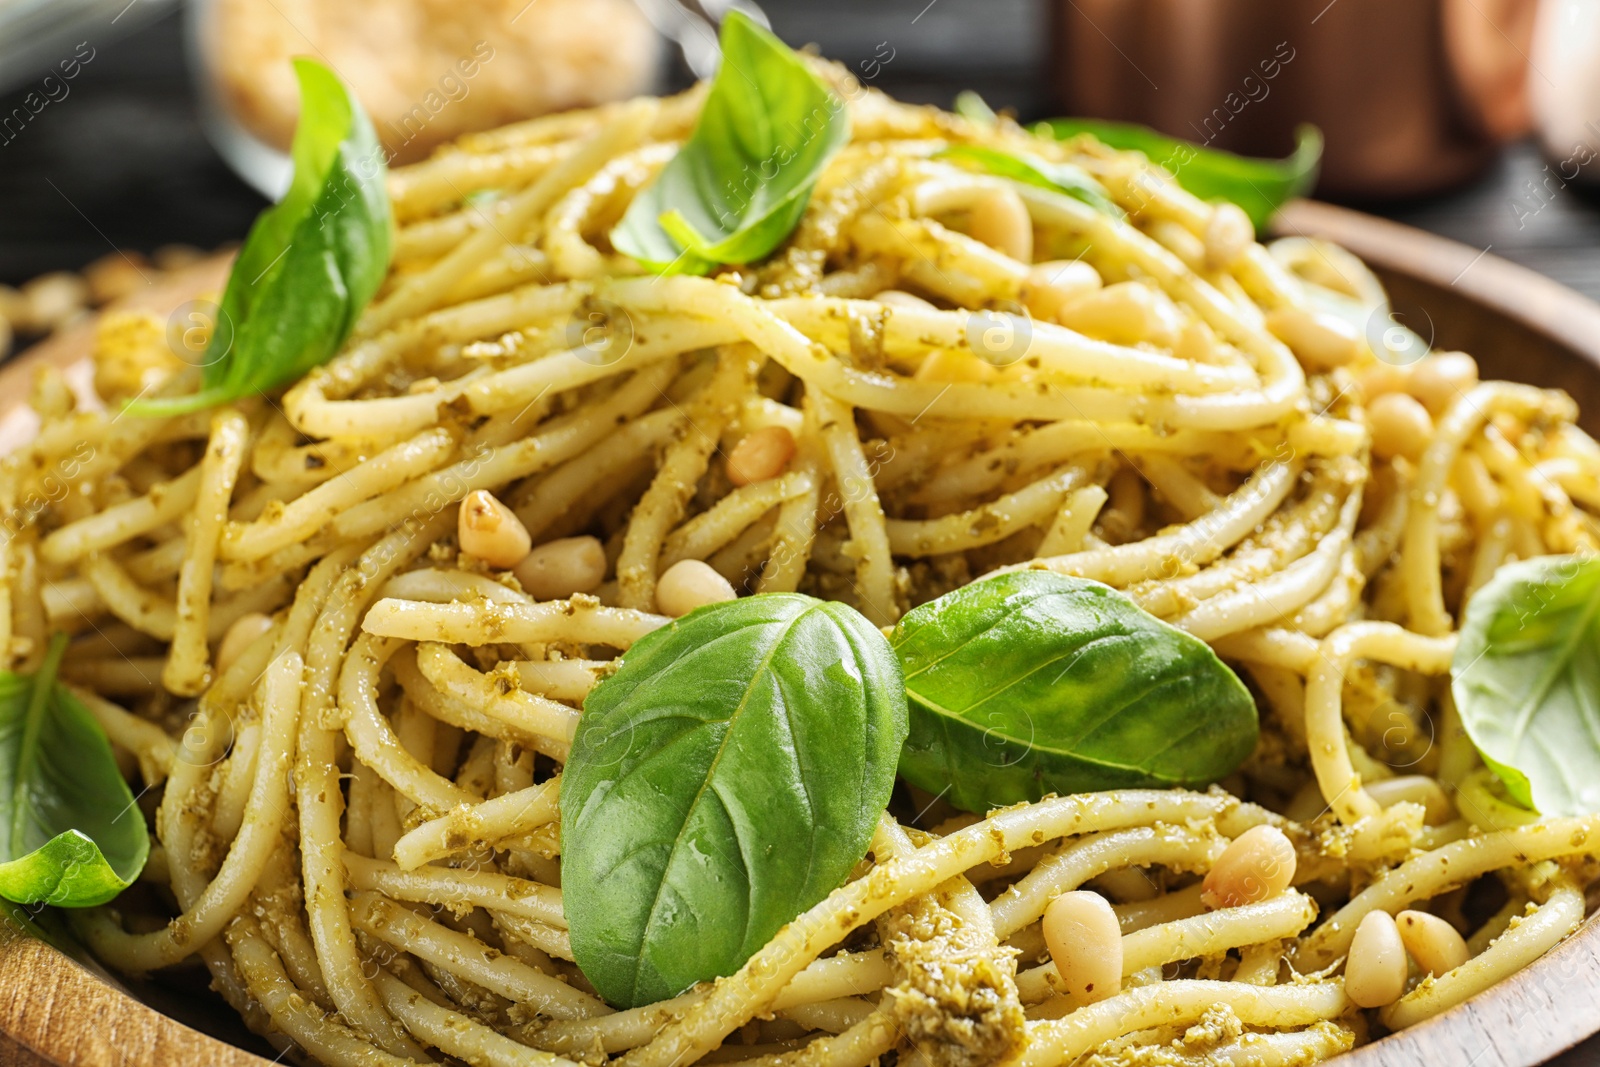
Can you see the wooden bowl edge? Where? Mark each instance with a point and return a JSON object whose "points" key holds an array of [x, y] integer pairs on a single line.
{"points": [[57, 1013]]}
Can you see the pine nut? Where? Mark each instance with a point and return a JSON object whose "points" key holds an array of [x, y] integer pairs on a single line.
{"points": [[53, 299], [1053, 285], [1436, 945], [1001, 220], [113, 276], [1085, 942], [487, 529], [1257, 865], [901, 299], [177, 256], [557, 569], [1375, 972], [1416, 789], [760, 454], [244, 632], [1320, 341], [1381, 377], [1229, 232], [1125, 314], [690, 584], [945, 365], [1400, 426], [1442, 378]]}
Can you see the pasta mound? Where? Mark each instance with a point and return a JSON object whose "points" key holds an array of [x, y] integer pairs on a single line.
{"points": [[358, 809]]}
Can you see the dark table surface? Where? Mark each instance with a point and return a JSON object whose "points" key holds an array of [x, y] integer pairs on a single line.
{"points": [[122, 163]]}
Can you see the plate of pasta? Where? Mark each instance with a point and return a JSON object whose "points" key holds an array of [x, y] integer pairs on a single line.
{"points": [[782, 577]]}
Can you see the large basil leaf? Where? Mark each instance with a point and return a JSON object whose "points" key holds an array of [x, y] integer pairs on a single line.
{"points": [[1057, 177], [1526, 681], [727, 777], [73, 835], [1031, 683], [742, 180], [1260, 186], [311, 262]]}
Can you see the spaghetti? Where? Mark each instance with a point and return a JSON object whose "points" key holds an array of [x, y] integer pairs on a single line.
{"points": [[356, 728]]}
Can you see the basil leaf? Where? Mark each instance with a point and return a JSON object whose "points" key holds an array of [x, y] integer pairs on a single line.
{"points": [[73, 836], [726, 778], [1526, 681], [1058, 177], [312, 261], [1031, 683], [1260, 186], [742, 180]]}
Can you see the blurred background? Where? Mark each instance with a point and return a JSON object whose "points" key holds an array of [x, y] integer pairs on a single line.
{"points": [[136, 133]]}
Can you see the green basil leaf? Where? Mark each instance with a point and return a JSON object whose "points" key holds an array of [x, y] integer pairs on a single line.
{"points": [[1260, 186], [73, 835], [742, 180], [1031, 683], [1526, 681], [312, 261], [726, 778], [1058, 177]]}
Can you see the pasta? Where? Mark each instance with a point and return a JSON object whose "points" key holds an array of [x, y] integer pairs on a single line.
{"points": [[359, 797]]}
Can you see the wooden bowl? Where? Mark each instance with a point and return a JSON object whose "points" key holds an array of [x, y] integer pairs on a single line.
{"points": [[58, 1012]]}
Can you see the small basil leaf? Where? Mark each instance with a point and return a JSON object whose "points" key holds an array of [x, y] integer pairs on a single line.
{"points": [[1260, 186], [742, 180], [73, 835], [1031, 683], [312, 261], [1526, 681], [1057, 177], [726, 778]]}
